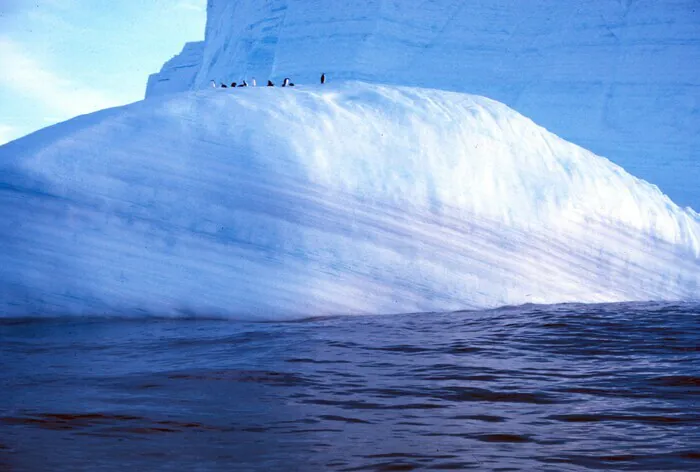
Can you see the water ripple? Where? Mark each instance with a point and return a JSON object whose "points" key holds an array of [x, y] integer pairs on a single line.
{"points": [[561, 388]]}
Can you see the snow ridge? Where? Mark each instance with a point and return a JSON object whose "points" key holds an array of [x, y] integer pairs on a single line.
{"points": [[343, 199]]}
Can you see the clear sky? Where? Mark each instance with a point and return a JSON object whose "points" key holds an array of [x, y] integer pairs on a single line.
{"points": [[62, 58]]}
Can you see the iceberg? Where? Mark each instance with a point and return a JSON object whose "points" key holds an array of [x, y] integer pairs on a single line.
{"points": [[618, 77], [348, 198]]}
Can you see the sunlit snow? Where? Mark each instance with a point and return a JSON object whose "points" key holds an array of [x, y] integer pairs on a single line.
{"points": [[347, 198]]}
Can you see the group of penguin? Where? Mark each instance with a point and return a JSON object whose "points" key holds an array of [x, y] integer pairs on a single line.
{"points": [[285, 83]]}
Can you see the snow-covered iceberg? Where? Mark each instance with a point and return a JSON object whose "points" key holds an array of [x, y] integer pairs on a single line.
{"points": [[618, 77], [349, 198]]}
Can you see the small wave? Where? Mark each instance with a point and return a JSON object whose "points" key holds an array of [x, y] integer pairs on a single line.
{"points": [[593, 418], [106, 422], [532, 311], [256, 376]]}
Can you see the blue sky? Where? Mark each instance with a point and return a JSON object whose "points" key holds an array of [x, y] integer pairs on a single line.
{"points": [[62, 58]]}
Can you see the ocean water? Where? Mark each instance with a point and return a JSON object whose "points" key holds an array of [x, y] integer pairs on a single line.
{"points": [[546, 388]]}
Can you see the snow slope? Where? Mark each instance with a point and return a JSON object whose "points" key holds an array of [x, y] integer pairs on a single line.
{"points": [[351, 198], [619, 77]]}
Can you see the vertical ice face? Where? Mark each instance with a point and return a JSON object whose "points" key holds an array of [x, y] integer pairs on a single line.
{"points": [[178, 73], [272, 39], [617, 77]]}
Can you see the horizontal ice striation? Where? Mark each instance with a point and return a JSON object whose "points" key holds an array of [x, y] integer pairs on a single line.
{"points": [[178, 73], [352, 198], [619, 77]]}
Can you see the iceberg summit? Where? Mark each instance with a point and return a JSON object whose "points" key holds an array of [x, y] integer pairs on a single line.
{"points": [[618, 77], [346, 198]]}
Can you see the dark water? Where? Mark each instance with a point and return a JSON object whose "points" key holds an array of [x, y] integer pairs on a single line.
{"points": [[563, 388]]}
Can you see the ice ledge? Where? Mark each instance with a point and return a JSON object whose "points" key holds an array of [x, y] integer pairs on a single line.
{"points": [[178, 73]]}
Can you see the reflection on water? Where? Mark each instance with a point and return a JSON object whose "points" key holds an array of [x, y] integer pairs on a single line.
{"points": [[570, 387]]}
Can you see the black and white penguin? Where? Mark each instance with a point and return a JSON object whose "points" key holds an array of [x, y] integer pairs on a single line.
{"points": [[254, 84], [213, 84], [233, 84], [224, 86], [323, 78], [270, 84], [286, 82], [244, 84]]}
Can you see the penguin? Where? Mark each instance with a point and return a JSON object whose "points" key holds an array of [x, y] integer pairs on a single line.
{"points": [[270, 84], [323, 78], [213, 84], [244, 84], [233, 84], [255, 84], [286, 82], [224, 85]]}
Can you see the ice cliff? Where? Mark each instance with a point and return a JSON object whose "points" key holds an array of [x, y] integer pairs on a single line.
{"points": [[347, 198], [619, 77], [179, 73]]}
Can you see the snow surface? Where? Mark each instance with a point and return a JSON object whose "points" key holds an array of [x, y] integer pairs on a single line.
{"points": [[619, 77], [347, 198]]}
